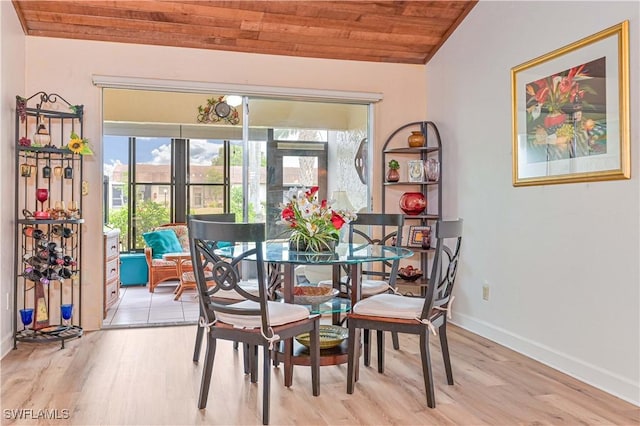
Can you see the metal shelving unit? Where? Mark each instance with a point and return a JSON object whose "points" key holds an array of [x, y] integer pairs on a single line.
{"points": [[48, 237], [395, 147]]}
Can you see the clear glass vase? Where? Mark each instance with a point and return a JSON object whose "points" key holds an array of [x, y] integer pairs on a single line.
{"points": [[432, 169]]}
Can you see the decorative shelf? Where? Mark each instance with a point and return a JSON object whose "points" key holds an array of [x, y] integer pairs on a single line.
{"points": [[407, 150], [431, 182], [397, 144], [63, 333]]}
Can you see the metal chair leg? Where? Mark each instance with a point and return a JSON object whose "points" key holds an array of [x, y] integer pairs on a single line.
{"points": [[206, 372], [380, 341], [266, 382], [426, 368], [198, 345], [367, 347], [353, 356], [315, 359], [251, 361], [396, 341], [444, 344]]}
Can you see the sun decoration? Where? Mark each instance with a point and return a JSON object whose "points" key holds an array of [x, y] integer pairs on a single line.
{"points": [[218, 110], [79, 145]]}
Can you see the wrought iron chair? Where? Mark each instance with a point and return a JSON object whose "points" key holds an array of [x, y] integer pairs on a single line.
{"points": [[189, 276], [381, 229], [403, 314], [254, 321]]}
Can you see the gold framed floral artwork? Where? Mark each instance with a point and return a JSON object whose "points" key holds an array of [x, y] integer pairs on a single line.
{"points": [[570, 112]]}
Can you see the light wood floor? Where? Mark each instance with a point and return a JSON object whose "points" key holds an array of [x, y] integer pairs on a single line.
{"points": [[146, 377]]}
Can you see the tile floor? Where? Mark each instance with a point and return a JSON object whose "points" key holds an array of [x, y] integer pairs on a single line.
{"points": [[139, 308]]}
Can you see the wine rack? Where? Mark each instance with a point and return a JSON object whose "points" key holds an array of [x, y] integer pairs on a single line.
{"points": [[48, 218]]}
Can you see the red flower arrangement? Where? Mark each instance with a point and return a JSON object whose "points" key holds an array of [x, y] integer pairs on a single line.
{"points": [[315, 224]]}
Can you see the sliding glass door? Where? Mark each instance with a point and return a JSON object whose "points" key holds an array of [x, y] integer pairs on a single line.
{"points": [[162, 165]]}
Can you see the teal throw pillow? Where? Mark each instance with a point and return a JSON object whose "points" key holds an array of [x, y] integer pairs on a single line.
{"points": [[162, 242]]}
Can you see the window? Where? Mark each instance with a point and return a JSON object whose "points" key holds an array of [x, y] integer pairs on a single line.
{"points": [[207, 170], [173, 167], [118, 199], [148, 167], [196, 196]]}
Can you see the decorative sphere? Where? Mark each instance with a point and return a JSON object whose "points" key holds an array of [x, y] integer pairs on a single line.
{"points": [[413, 203]]}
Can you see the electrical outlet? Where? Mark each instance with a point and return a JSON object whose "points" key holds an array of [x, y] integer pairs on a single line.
{"points": [[485, 291]]}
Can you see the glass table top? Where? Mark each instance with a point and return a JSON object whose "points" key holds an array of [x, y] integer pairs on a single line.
{"points": [[333, 306], [345, 253]]}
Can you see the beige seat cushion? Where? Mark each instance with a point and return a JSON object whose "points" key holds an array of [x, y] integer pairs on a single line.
{"points": [[190, 276], [390, 306], [161, 262], [279, 314]]}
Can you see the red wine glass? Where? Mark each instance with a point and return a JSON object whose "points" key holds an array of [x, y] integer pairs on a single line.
{"points": [[42, 194]]}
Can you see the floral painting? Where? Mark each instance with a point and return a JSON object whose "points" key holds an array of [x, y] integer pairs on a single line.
{"points": [[570, 112], [566, 113]]}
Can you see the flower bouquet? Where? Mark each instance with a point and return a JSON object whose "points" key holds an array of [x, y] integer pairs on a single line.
{"points": [[555, 103], [315, 225]]}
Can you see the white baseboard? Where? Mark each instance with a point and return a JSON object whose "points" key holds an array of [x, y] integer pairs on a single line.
{"points": [[593, 375], [6, 345]]}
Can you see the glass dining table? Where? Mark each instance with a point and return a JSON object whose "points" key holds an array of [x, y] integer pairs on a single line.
{"points": [[347, 257]]}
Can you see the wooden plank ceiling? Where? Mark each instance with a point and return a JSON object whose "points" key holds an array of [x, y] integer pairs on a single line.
{"points": [[382, 31]]}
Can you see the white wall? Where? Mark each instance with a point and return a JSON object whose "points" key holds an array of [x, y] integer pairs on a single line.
{"points": [[66, 67], [562, 261], [12, 62]]}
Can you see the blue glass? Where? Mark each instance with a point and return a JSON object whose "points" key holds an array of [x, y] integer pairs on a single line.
{"points": [[26, 316], [66, 311]]}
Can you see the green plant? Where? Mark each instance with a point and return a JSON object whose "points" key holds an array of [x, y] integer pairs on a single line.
{"points": [[394, 165], [149, 214]]}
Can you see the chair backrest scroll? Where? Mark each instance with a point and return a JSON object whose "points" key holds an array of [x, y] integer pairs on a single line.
{"points": [[445, 265]]}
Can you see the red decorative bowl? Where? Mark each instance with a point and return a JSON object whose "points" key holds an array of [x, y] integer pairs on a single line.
{"points": [[41, 215], [413, 203]]}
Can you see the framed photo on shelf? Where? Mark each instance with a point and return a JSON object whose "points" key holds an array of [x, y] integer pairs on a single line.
{"points": [[415, 170], [419, 236], [570, 112]]}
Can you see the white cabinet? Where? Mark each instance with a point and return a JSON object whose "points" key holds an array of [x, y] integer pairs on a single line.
{"points": [[111, 268]]}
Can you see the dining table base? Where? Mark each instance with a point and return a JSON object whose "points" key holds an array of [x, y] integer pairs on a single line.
{"points": [[300, 356]]}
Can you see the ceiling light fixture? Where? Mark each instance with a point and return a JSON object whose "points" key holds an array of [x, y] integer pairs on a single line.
{"points": [[234, 100]]}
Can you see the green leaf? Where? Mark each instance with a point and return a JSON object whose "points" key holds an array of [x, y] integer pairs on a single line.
{"points": [[86, 150]]}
